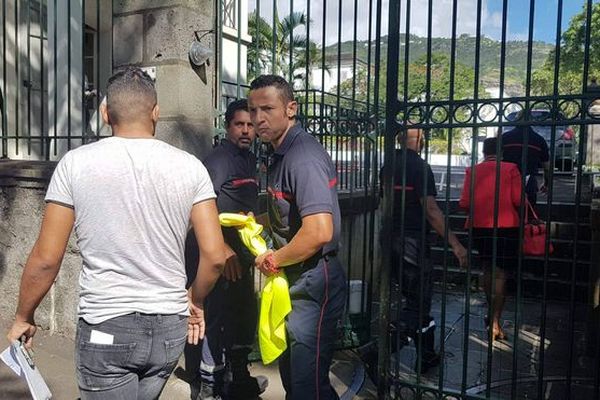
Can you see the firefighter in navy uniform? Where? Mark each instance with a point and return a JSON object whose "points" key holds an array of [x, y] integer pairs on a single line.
{"points": [[231, 309], [304, 221], [414, 269]]}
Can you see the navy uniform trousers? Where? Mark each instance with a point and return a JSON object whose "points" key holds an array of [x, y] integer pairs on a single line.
{"points": [[231, 317], [318, 297]]}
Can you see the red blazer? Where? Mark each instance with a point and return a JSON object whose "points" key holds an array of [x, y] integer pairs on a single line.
{"points": [[484, 195]]}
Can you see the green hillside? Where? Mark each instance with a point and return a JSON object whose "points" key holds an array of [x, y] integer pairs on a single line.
{"points": [[515, 63]]}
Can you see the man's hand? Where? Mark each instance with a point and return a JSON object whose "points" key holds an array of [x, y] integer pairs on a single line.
{"points": [[233, 269], [195, 324], [544, 189], [461, 254], [266, 264], [22, 328]]}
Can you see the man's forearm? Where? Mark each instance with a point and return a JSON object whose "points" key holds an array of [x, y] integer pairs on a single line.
{"points": [[300, 248], [208, 274], [546, 173], [38, 277], [437, 222], [316, 231]]}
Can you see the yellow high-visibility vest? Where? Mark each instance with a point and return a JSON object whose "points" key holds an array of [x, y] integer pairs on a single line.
{"points": [[275, 303]]}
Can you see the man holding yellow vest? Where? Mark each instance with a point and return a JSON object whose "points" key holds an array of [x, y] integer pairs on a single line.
{"points": [[304, 223]]}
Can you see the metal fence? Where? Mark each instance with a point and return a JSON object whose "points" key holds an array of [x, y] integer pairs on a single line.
{"points": [[55, 55], [552, 350], [364, 71]]}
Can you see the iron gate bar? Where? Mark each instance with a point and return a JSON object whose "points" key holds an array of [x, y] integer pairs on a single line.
{"points": [[307, 60], [349, 141], [4, 94], [393, 160], [97, 61], [392, 101], [274, 39], [423, 195], [55, 62], [337, 100], [540, 385], [322, 104], [83, 85], [447, 194], [291, 66], [238, 90], [375, 172], [29, 78], [366, 243], [42, 75], [475, 136], [582, 139], [69, 41], [17, 133]]}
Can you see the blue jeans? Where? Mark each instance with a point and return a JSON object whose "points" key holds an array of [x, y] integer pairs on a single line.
{"points": [[136, 365]]}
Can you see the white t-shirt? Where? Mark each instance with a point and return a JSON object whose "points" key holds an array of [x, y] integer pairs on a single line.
{"points": [[132, 200]]}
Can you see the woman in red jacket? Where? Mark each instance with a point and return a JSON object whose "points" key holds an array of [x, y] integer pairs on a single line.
{"points": [[484, 221]]}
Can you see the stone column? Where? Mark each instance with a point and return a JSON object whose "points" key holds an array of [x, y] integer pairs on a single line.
{"points": [[157, 35]]}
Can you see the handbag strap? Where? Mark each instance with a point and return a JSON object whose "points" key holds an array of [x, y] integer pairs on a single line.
{"points": [[529, 207]]}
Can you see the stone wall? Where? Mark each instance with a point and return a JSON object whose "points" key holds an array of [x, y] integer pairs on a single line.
{"points": [[21, 210], [158, 35]]}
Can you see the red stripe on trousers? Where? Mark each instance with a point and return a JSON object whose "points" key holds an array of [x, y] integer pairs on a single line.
{"points": [[321, 323]]}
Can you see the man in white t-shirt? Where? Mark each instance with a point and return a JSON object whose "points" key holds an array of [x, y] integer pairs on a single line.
{"points": [[131, 199]]}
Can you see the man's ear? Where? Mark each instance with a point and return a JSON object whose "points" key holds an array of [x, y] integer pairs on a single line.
{"points": [[291, 109], [104, 113], [155, 114]]}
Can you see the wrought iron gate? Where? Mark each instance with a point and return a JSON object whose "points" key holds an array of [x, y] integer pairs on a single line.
{"points": [[551, 319]]}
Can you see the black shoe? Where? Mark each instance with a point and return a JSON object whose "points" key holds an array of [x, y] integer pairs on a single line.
{"points": [[429, 361], [249, 388], [370, 357], [429, 357]]}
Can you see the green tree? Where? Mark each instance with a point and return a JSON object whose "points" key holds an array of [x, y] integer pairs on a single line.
{"points": [[281, 45], [439, 90], [572, 49]]}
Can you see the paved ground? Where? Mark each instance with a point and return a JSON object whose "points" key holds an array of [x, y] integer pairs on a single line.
{"points": [[54, 357], [525, 353]]}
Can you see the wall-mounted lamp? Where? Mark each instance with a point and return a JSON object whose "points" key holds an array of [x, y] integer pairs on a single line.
{"points": [[199, 53]]}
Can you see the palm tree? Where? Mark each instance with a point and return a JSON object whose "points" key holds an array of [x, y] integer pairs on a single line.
{"points": [[279, 49]]}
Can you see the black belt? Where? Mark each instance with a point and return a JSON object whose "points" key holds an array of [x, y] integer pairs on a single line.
{"points": [[298, 269]]}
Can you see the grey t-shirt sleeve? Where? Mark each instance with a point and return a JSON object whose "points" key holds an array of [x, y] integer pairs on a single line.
{"points": [[311, 188], [204, 189], [60, 190]]}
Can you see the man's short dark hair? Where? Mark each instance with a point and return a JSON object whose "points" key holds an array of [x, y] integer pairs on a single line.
{"points": [[489, 146], [285, 89], [233, 107], [130, 95]]}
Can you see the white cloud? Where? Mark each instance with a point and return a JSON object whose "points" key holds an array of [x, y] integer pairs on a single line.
{"points": [[491, 22], [331, 17]]}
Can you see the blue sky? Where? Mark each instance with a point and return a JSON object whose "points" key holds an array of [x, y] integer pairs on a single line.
{"points": [[545, 17], [517, 27]]}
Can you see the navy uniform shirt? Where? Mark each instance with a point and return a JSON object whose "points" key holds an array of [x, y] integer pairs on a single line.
{"points": [[513, 143], [301, 182], [419, 184], [233, 174]]}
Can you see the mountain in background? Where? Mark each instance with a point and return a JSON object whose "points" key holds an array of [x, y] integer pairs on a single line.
{"points": [[489, 62]]}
